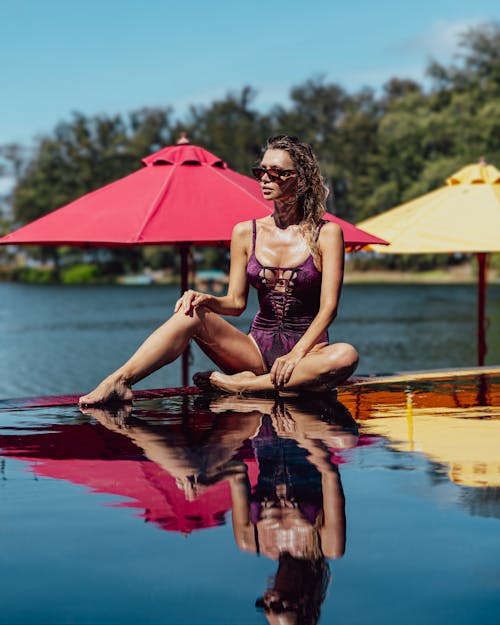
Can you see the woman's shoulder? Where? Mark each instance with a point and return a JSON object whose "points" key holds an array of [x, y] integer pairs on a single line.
{"points": [[243, 228], [329, 228], [242, 236], [330, 233]]}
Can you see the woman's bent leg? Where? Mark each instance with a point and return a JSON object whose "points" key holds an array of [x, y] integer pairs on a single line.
{"points": [[231, 350], [320, 370]]}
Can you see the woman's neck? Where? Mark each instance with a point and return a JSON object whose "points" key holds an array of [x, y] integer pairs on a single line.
{"points": [[286, 213]]}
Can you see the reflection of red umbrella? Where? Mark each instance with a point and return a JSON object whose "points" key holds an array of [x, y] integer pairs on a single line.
{"points": [[183, 195], [107, 462]]}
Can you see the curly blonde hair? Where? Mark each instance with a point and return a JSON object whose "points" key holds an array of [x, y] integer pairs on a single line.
{"points": [[311, 189]]}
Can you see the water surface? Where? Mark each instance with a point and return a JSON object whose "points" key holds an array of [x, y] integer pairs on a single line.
{"points": [[380, 507], [64, 339]]}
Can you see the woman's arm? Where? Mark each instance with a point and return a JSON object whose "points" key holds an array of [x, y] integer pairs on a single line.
{"points": [[331, 248], [234, 303], [240, 509]]}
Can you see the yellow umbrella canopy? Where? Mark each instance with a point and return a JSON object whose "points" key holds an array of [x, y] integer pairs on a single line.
{"points": [[462, 216]]}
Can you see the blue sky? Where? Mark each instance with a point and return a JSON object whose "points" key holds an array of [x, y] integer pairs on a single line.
{"points": [[109, 56]]}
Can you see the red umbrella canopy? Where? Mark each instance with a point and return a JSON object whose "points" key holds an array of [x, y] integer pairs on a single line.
{"points": [[182, 194]]}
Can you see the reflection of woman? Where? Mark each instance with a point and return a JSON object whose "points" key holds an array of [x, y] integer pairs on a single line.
{"points": [[194, 466], [296, 513], [295, 261]]}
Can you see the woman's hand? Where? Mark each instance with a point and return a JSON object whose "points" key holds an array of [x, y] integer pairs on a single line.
{"points": [[190, 300], [282, 421], [282, 369]]}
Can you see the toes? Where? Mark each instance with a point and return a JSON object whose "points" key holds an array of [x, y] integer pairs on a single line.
{"points": [[202, 380]]}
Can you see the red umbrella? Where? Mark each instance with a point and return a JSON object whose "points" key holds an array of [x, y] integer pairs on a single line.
{"points": [[183, 195]]}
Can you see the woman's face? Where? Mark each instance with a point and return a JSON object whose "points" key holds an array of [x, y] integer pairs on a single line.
{"points": [[283, 188]]}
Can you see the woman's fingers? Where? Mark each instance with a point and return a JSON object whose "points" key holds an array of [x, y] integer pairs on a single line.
{"points": [[198, 299], [273, 372], [187, 299], [282, 370], [285, 373]]}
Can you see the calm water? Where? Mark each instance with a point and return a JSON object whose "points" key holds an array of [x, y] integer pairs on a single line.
{"points": [[56, 340], [381, 507]]}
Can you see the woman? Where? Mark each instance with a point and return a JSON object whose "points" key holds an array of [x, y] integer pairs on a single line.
{"points": [[295, 260]]}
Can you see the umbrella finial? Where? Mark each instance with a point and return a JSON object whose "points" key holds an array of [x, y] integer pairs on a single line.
{"points": [[182, 140]]}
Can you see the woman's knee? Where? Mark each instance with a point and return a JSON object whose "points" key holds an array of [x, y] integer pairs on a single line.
{"points": [[343, 356], [194, 318]]}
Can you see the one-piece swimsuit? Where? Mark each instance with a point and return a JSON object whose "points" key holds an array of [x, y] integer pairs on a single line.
{"points": [[289, 299]]}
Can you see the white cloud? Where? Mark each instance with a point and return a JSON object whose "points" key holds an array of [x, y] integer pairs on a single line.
{"points": [[6, 184], [440, 40]]}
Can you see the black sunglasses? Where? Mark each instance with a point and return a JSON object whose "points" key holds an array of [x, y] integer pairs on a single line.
{"points": [[274, 173]]}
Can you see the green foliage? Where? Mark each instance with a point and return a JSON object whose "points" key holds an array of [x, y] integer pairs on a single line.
{"points": [[81, 274], [230, 128], [33, 275], [494, 262], [82, 156], [375, 150]]}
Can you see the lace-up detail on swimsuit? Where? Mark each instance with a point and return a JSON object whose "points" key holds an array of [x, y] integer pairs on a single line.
{"points": [[280, 283], [289, 300]]}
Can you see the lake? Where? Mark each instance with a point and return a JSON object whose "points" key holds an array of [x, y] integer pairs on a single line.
{"points": [[379, 506], [64, 339]]}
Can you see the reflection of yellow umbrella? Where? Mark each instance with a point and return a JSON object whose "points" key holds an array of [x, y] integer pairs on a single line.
{"points": [[452, 417], [465, 439], [463, 216]]}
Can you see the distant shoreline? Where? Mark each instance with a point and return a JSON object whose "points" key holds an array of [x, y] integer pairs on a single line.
{"points": [[464, 274]]}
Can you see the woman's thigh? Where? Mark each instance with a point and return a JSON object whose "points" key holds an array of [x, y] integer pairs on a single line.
{"points": [[230, 349]]}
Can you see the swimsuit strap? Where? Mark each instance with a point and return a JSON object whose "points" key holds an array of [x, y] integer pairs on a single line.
{"points": [[254, 236], [318, 229], [256, 537]]}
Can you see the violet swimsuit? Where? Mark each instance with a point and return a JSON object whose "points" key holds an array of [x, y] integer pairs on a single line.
{"points": [[289, 299], [283, 462]]}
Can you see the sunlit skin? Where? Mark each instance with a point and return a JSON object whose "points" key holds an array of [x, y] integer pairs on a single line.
{"points": [[197, 315]]}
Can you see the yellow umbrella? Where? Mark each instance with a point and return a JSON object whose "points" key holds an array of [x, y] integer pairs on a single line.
{"points": [[463, 216]]}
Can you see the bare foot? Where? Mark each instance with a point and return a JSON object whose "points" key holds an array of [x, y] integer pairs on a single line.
{"points": [[236, 383], [114, 419], [109, 390]]}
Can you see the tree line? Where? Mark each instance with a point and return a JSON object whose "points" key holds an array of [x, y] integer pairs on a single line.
{"points": [[376, 148]]}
